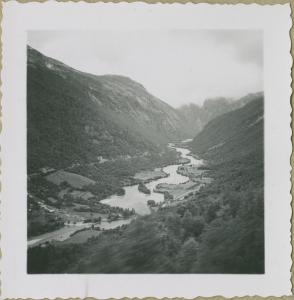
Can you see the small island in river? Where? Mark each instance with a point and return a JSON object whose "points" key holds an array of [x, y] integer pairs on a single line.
{"points": [[143, 188]]}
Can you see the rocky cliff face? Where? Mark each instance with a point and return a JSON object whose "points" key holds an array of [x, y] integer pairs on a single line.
{"points": [[198, 116]]}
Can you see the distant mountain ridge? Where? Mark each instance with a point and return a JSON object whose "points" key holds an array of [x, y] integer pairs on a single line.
{"points": [[75, 116], [233, 135], [198, 116]]}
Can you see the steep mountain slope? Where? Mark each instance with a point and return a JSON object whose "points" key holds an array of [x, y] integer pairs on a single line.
{"points": [[233, 134], [233, 144], [198, 116], [75, 116]]}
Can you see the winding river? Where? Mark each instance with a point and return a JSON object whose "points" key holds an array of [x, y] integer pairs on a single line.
{"points": [[133, 199], [137, 200]]}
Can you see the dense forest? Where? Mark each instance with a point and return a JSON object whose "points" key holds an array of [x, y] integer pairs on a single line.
{"points": [[105, 129], [220, 229], [109, 176], [233, 134], [75, 117]]}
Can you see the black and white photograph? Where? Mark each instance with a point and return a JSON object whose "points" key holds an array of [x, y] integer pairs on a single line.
{"points": [[145, 152]]}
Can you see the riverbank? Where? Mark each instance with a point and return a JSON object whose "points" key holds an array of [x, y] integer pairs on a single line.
{"points": [[113, 210], [174, 184], [177, 191], [150, 175], [66, 233]]}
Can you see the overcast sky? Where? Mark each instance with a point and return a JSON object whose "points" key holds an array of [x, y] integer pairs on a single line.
{"points": [[177, 66]]}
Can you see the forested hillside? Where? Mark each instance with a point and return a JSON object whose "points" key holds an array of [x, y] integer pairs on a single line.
{"points": [[232, 135], [219, 229], [77, 117]]}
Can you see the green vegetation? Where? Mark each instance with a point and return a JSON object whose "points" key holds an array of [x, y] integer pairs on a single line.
{"points": [[143, 188], [75, 117], [151, 203], [104, 209], [149, 175], [233, 134], [219, 230], [69, 178], [111, 176], [82, 236], [41, 222]]}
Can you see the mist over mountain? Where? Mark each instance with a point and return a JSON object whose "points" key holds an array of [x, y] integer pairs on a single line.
{"points": [[197, 116], [233, 135]]}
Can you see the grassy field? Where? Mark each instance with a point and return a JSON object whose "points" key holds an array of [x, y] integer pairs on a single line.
{"points": [[177, 190], [74, 180], [81, 237], [150, 175]]}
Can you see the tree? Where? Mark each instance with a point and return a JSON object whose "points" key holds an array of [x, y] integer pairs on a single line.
{"points": [[232, 246], [211, 212], [193, 226], [151, 203], [187, 256], [174, 224]]}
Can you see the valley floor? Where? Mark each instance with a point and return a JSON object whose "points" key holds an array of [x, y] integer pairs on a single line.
{"points": [[87, 216], [221, 222], [208, 218]]}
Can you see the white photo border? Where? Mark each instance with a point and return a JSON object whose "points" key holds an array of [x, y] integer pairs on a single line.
{"points": [[275, 22]]}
